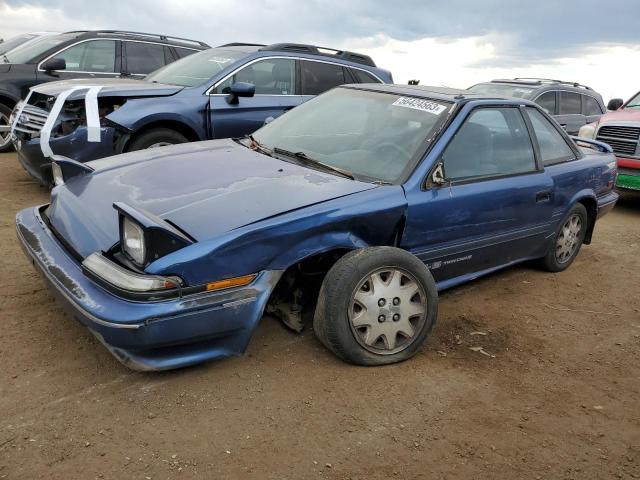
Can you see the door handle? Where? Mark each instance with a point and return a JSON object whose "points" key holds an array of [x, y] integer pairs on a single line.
{"points": [[543, 196]]}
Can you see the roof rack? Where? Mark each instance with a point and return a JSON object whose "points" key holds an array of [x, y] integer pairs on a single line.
{"points": [[540, 81], [150, 35], [241, 44], [327, 52]]}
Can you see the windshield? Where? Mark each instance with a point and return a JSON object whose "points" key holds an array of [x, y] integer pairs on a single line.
{"points": [[29, 51], [502, 90], [197, 68], [634, 102], [15, 41], [372, 135]]}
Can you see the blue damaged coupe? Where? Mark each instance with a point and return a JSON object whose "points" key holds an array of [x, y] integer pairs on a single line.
{"points": [[351, 212]]}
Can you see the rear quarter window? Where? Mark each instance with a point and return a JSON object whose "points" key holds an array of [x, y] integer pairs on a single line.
{"points": [[318, 77], [591, 106], [553, 147], [363, 77]]}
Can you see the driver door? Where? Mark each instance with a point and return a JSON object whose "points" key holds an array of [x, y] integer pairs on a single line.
{"points": [[496, 206], [275, 80]]}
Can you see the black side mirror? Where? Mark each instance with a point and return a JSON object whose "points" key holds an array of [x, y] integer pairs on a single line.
{"points": [[54, 64], [240, 89], [615, 104]]}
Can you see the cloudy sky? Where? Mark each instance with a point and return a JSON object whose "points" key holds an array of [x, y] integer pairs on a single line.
{"points": [[453, 42]]}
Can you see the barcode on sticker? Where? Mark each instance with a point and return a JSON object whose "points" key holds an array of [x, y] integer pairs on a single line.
{"points": [[420, 104]]}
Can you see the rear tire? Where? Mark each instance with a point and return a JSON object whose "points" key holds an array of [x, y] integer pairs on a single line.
{"points": [[5, 142], [568, 240], [376, 306], [158, 137]]}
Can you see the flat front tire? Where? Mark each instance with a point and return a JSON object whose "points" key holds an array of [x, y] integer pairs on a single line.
{"points": [[376, 306]]}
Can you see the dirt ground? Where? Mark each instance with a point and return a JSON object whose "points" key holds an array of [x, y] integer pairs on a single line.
{"points": [[556, 396]]}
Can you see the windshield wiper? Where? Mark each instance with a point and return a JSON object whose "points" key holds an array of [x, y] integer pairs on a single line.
{"points": [[255, 145], [5, 59], [312, 161]]}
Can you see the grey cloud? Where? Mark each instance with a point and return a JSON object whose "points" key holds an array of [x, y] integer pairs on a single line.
{"points": [[537, 31]]}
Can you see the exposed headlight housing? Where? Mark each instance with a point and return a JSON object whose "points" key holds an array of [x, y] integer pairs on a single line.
{"points": [[56, 171], [133, 241], [144, 237]]}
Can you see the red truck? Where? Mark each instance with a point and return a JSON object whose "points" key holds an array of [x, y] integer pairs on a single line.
{"points": [[620, 128]]}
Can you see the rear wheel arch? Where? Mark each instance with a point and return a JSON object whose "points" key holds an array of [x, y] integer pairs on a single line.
{"points": [[591, 205]]}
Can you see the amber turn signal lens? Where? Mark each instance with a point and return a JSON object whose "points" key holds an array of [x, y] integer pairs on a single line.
{"points": [[230, 282]]}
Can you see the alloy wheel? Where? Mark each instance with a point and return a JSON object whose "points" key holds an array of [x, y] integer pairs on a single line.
{"points": [[5, 130], [569, 238]]}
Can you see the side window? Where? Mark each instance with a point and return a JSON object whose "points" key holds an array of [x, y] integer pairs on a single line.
{"points": [[548, 101], [591, 106], [274, 76], [363, 77], [94, 56], [143, 58], [184, 52], [570, 103], [320, 77], [553, 148], [491, 142]]}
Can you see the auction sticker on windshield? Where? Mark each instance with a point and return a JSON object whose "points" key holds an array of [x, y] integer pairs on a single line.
{"points": [[420, 104]]}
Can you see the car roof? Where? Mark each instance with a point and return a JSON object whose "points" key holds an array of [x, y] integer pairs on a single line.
{"points": [[306, 50], [127, 35], [540, 83], [454, 95]]}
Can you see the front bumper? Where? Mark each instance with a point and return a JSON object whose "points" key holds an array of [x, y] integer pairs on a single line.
{"points": [[74, 145], [628, 173], [147, 335]]}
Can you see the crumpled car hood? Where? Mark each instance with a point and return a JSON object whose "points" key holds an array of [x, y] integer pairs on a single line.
{"points": [[114, 87], [205, 188]]}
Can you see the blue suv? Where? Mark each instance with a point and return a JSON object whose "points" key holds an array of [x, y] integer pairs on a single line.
{"points": [[228, 91]]}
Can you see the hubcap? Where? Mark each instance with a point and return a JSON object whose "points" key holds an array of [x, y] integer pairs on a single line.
{"points": [[388, 309], [568, 239], [4, 130]]}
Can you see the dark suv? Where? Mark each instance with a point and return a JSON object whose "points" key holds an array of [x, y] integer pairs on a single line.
{"points": [[571, 104], [83, 54], [223, 92]]}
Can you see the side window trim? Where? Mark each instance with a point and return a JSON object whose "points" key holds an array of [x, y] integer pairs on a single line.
{"points": [[453, 183], [118, 56], [297, 59]]}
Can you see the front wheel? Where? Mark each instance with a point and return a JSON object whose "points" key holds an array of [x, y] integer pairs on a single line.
{"points": [[376, 306], [568, 240], [157, 137]]}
